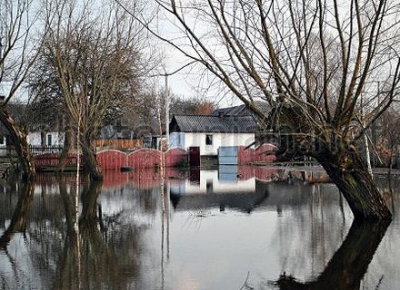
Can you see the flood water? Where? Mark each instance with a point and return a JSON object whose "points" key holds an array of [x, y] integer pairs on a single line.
{"points": [[228, 228]]}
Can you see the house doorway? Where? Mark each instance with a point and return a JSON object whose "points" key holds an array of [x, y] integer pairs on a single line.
{"points": [[194, 156]]}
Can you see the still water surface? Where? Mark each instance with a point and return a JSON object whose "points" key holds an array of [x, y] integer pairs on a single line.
{"points": [[214, 229]]}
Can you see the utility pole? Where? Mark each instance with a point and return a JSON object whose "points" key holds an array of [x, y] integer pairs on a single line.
{"points": [[367, 153], [2, 97], [166, 109]]}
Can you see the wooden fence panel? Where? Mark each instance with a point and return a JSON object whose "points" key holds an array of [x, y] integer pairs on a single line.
{"points": [[48, 161], [120, 144], [245, 155], [176, 156], [261, 153], [143, 158], [112, 159]]}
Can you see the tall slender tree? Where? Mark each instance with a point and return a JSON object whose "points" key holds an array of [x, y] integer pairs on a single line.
{"points": [[95, 51]]}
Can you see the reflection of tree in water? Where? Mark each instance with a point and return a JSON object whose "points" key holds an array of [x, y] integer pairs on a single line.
{"points": [[13, 276], [384, 265], [147, 199], [19, 219], [95, 255], [309, 234], [141, 200], [348, 265], [89, 261]]}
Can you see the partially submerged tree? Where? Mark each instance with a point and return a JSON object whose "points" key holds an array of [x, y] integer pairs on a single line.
{"points": [[313, 62], [96, 54], [17, 54]]}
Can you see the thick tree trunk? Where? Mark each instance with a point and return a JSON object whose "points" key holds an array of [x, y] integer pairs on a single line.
{"points": [[92, 167], [18, 138], [351, 176], [342, 162]]}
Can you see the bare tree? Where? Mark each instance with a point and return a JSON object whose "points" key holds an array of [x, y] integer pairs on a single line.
{"points": [[389, 137], [17, 54], [312, 61], [95, 49]]}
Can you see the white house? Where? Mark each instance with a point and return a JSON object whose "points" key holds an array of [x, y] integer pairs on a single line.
{"points": [[50, 139], [211, 132], [3, 146]]}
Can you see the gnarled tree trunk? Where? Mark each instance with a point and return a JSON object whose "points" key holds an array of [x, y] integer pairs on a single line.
{"points": [[351, 176], [339, 157], [92, 167], [18, 138]]}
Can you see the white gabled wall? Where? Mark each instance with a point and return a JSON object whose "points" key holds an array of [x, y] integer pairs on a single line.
{"points": [[3, 142], [35, 139], [218, 140], [3, 146], [177, 139]]}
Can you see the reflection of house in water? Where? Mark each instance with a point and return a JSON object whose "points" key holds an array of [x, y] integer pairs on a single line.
{"points": [[216, 188], [213, 189]]}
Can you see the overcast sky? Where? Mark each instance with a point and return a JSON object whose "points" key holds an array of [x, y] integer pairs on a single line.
{"points": [[20, 96]]}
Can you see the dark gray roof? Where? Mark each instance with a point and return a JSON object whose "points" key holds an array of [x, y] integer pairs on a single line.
{"points": [[232, 111], [242, 110], [213, 124]]}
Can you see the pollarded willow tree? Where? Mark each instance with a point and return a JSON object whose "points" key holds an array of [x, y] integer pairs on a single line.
{"points": [[94, 52], [328, 69]]}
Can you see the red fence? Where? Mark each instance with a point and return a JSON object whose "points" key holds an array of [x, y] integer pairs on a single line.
{"points": [[142, 158], [50, 160], [111, 159], [261, 154], [176, 156]]}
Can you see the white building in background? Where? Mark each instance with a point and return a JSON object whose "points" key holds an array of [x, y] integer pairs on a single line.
{"points": [[3, 146], [46, 139], [20, 96], [209, 133]]}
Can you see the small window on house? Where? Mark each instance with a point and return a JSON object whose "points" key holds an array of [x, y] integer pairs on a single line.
{"points": [[49, 140], [209, 139], [2, 140]]}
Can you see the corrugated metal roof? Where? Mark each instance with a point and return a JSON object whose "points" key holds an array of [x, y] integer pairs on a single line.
{"points": [[214, 124], [242, 110]]}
